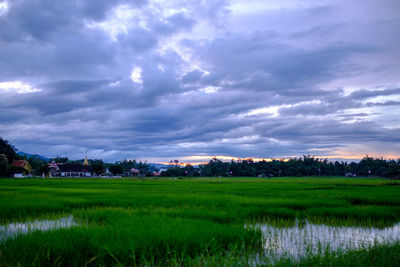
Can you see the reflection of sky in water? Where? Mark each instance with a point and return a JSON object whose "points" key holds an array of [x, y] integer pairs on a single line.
{"points": [[298, 241], [14, 229]]}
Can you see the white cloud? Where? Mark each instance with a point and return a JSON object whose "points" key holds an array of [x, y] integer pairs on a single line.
{"points": [[3, 8], [273, 111], [161, 67], [261, 78], [210, 89], [19, 87], [120, 20], [255, 6], [136, 75], [115, 83]]}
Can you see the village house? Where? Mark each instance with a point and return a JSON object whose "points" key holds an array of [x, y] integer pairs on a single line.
{"points": [[135, 172], [74, 170], [70, 169], [27, 169]]}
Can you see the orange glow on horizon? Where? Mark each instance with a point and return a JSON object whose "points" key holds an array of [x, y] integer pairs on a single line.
{"points": [[201, 160], [229, 158], [181, 163], [359, 156]]}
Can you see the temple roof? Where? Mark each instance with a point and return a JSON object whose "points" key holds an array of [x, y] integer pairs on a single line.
{"points": [[86, 163]]}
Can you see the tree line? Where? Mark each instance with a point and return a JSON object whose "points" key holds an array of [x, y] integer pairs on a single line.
{"points": [[304, 166], [8, 153], [118, 168]]}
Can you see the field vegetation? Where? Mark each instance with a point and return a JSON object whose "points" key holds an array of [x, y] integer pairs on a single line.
{"points": [[197, 222]]}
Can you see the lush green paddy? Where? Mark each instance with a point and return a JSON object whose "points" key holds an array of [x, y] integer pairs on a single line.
{"points": [[198, 222]]}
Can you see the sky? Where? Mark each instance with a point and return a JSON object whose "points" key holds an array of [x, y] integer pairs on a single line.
{"points": [[160, 80]]}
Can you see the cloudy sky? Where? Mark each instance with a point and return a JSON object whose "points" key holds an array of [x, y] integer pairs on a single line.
{"points": [[161, 80]]}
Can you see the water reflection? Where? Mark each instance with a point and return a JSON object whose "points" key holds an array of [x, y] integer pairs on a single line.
{"points": [[12, 230], [308, 239]]}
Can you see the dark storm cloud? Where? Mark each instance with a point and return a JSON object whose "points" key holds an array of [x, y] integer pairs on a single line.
{"points": [[207, 78], [40, 19], [255, 62], [80, 55]]}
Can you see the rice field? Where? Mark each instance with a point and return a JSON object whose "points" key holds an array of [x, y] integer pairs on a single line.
{"points": [[326, 221]]}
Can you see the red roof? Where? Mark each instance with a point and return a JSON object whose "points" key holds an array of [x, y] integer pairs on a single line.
{"points": [[19, 163]]}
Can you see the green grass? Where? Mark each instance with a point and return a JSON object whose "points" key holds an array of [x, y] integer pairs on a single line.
{"points": [[185, 221]]}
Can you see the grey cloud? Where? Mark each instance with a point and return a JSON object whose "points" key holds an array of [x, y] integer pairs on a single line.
{"points": [[34, 19], [41, 19], [89, 102], [74, 86], [383, 104], [319, 31], [307, 109], [98, 9], [363, 94], [333, 131], [255, 62], [176, 22], [138, 39], [193, 76], [80, 55], [354, 115]]}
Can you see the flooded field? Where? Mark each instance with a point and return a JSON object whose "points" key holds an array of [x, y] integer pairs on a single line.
{"points": [[199, 222], [13, 230], [308, 239]]}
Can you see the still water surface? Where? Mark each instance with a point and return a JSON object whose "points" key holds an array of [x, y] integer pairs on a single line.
{"points": [[294, 242], [309, 239], [12, 230]]}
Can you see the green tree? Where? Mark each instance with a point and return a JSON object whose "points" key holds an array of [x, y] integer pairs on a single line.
{"points": [[127, 165], [116, 169], [7, 149], [3, 164], [43, 169], [393, 169], [61, 160], [36, 163], [98, 167]]}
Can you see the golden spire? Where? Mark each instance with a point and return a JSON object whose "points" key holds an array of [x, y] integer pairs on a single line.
{"points": [[86, 162]]}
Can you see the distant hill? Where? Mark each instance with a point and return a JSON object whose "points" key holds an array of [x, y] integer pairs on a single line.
{"points": [[21, 153]]}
